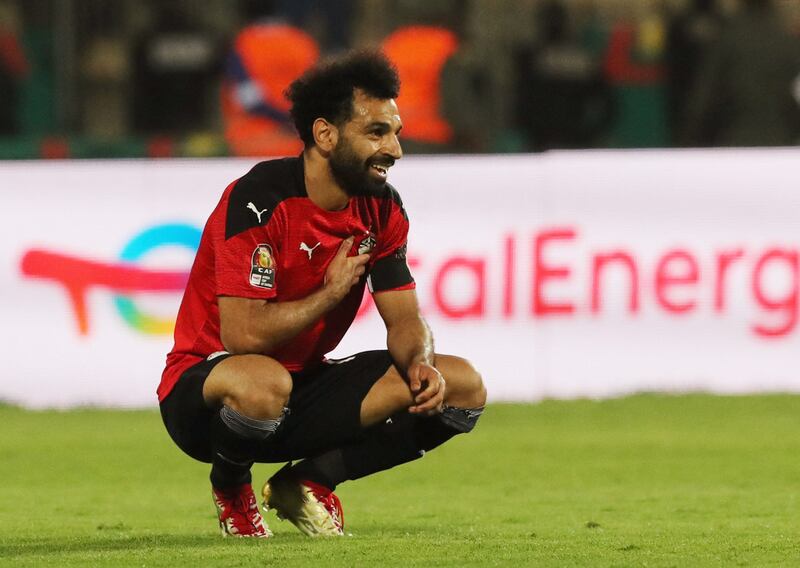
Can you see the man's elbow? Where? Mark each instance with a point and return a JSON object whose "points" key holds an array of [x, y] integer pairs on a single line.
{"points": [[240, 342]]}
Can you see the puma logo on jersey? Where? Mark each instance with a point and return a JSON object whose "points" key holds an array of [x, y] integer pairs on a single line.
{"points": [[310, 251], [255, 210]]}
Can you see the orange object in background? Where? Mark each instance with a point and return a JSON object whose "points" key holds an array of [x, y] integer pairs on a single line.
{"points": [[54, 148], [420, 52], [160, 147], [621, 68], [273, 55], [12, 56]]}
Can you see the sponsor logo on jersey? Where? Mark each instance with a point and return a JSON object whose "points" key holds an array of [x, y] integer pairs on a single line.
{"points": [[367, 245], [262, 267]]}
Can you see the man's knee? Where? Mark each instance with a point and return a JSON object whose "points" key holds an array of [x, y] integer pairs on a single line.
{"points": [[253, 385], [465, 387]]}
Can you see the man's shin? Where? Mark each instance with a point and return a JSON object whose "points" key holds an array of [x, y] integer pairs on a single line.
{"points": [[235, 439], [400, 439]]}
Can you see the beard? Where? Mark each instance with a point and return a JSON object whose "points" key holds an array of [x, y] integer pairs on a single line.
{"points": [[353, 173]]}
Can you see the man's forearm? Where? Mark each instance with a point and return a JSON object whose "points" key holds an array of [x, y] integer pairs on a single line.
{"points": [[271, 324], [410, 341], [251, 326]]}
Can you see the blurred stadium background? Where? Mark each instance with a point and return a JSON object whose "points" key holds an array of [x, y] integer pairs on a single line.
{"points": [[80, 78], [604, 201]]}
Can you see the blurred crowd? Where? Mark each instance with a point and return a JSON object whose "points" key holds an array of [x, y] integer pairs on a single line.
{"points": [[129, 78]]}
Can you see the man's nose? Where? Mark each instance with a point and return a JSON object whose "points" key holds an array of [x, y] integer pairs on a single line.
{"points": [[392, 147]]}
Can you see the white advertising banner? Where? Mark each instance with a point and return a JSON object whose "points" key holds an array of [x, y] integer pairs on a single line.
{"points": [[558, 275]]}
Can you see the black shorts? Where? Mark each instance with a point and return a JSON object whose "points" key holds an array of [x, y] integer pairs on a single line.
{"points": [[324, 408]]}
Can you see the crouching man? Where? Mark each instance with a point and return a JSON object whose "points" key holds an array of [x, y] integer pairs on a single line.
{"points": [[278, 278]]}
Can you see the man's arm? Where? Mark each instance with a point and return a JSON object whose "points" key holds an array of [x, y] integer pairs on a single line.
{"points": [[410, 344], [259, 326]]}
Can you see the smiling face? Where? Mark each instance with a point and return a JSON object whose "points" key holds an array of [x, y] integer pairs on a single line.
{"points": [[367, 145]]}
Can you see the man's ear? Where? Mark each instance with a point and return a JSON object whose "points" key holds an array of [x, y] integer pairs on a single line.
{"points": [[326, 135]]}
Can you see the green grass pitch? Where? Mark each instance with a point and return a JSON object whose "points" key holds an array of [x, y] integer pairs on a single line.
{"points": [[642, 481]]}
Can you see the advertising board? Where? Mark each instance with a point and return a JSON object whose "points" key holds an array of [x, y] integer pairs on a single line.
{"points": [[575, 274]]}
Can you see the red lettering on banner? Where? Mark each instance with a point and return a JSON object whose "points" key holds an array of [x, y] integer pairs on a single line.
{"points": [[543, 272], [787, 304], [676, 268], [627, 260], [476, 268], [458, 287], [508, 276], [724, 260]]}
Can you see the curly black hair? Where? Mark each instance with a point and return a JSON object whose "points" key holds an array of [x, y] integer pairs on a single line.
{"points": [[326, 90]]}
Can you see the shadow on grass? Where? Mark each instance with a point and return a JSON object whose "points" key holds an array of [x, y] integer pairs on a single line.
{"points": [[116, 543], [115, 538]]}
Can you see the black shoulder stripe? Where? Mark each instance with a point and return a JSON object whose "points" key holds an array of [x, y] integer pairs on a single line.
{"points": [[255, 196], [392, 194]]}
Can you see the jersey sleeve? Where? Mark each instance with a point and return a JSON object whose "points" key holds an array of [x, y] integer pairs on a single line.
{"points": [[246, 263], [390, 270]]}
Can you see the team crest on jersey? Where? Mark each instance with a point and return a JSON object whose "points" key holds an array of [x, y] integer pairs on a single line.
{"points": [[367, 244], [262, 267]]}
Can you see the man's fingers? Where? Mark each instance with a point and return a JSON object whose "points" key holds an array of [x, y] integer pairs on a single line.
{"points": [[344, 248], [428, 387], [414, 384], [430, 406], [361, 259], [424, 394], [433, 384], [429, 392]]}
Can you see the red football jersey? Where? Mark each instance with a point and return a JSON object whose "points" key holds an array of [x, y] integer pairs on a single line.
{"points": [[267, 240]]}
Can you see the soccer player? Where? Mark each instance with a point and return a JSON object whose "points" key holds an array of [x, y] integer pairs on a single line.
{"points": [[278, 279]]}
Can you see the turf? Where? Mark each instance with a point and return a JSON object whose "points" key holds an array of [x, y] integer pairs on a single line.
{"points": [[641, 481]]}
